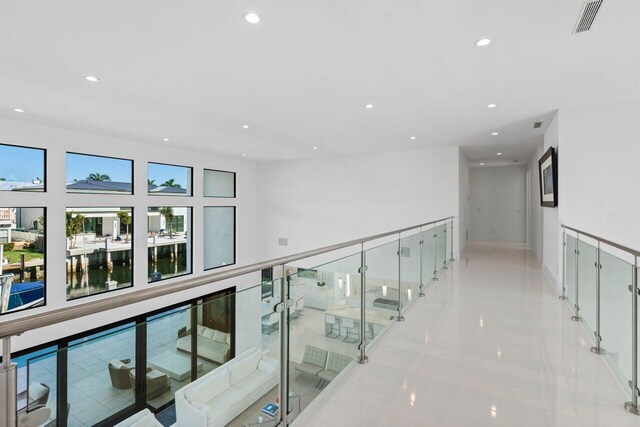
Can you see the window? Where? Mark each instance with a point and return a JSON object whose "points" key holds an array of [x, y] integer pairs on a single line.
{"points": [[219, 183], [169, 180], [168, 242], [22, 264], [99, 175], [99, 250], [219, 236], [22, 169]]}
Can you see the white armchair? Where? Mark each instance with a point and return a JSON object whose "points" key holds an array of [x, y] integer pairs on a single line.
{"points": [[270, 323]]}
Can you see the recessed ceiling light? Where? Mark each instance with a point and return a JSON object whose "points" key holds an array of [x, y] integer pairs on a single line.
{"points": [[412, 137], [315, 148], [491, 106], [245, 126], [18, 110], [499, 154], [368, 106], [92, 79], [483, 42], [494, 133], [252, 18], [481, 164], [244, 154], [165, 139]]}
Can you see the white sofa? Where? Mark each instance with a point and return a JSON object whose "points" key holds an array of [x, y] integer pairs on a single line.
{"points": [[218, 397], [212, 344], [143, 418]]}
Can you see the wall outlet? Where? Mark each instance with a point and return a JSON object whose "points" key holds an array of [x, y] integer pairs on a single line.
{"points": [[283, 241]]}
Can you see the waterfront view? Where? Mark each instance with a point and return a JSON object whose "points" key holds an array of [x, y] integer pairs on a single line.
{"points": [[22, 258]]}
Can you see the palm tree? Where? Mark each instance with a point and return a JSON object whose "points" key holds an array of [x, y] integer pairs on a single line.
{"points": [[167, 213], [97, 176], [126, 220], [171, 183], [151, 181]]}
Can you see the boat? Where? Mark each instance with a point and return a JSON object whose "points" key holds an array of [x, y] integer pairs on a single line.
{"points": [[18, 296]]}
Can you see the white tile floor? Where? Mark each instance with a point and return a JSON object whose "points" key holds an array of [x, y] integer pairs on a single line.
{"points": [[490, 344]]}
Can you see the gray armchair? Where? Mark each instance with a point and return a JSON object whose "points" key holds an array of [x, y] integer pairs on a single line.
{"points": [[38, 395], [335, 364], [313, 361], [157, 382], [119, 373]]}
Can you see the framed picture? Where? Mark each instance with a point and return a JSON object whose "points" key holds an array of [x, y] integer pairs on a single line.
{"points": [[548, 165]]}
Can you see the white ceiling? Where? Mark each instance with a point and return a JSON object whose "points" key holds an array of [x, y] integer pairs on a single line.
{"points": [[196, 72]]}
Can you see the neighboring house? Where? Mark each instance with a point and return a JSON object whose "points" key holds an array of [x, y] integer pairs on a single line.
{"points": [[7, 223], [35, 185], [158, 222], [115, 187]]}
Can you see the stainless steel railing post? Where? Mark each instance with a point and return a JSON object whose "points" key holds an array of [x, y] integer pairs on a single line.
{"points": [[421, 243], [632, 406], [400, 317], [598, 347], [576, 316], [564, 261], [451, 240], [284, 349], [435, 254], [362, 358], [8, 386], [444, 260]]}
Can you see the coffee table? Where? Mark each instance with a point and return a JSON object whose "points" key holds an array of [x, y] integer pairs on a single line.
{"points": [[267, 421], [173, 364]]}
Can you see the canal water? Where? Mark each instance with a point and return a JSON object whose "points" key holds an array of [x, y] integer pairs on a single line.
{"points": [[93, 280]]}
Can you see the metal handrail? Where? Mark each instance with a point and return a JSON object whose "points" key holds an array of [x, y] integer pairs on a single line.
{"points": [[603, 240], [18, 326]]}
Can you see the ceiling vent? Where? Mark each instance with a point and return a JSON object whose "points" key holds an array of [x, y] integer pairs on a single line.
{"points": [[587, 16], [537, 125]]}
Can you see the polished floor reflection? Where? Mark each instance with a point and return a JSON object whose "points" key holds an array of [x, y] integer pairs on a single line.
{"points": [[490, 344]]}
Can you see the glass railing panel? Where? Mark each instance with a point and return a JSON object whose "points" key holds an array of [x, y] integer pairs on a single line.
{"points": [[382, 288], [570, 270], [411, 269], [587, 274], [441, 246], [237, 340], [429, 268], [168, 355], [324, 326], [615, 313], [101, 375], [37, 386]]}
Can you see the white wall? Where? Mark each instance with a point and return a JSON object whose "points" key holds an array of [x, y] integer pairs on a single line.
{"points": [[497, 204], [552, 238], [534, 209], [317, 202], [57, 141], [463, 200], [599, 170]]}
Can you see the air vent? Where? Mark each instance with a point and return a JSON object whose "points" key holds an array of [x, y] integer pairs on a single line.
{"points": [[587, 16], [515, 161], [537, 125]]}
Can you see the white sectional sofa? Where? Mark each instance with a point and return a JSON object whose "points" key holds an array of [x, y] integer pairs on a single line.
{"points": [[212, 344], [143, 418], [218, 397]]}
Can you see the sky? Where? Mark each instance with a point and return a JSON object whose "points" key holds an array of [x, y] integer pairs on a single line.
{"points": [[80, 166], [161, 173], [24, 164], [21, 164]]}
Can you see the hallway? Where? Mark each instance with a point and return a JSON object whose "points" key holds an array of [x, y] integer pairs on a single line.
{"points": [[489, 345]]}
